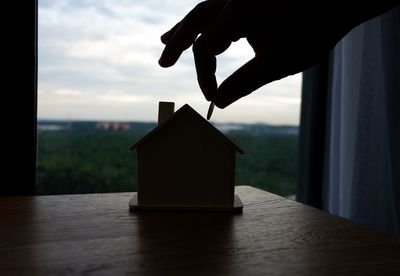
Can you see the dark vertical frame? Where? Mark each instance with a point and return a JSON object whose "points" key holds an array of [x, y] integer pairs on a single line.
{"points": [[31, 189], [19, 100]]}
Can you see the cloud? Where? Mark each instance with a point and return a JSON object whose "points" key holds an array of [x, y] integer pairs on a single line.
{"points": [[68, 92], [98, 59]]}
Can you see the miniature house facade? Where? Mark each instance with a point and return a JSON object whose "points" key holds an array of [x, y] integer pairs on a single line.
{"points": [[185, 162]]}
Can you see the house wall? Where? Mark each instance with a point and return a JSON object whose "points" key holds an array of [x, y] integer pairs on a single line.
{"points": [[186, 164]]}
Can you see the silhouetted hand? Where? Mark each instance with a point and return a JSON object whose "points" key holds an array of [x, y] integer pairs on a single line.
{"points": [[286, 36]]}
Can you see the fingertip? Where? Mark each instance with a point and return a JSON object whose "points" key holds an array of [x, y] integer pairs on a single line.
{"points": [[208, 85], [165, 38], [168, 57], [168, 35], [163, 62], [208, 97], [160, 62], [219, 105], [221, 102], [225, 94]]}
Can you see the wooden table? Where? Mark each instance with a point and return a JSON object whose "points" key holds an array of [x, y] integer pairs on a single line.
{"points": [[96, 234]]}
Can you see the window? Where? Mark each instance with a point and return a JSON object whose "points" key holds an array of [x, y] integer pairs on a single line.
{"points": [[98, 90]]}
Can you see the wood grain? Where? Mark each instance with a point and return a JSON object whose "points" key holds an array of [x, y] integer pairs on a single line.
{"points": [[96, 234]]}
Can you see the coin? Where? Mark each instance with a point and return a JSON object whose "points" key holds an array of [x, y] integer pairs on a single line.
{"points": [[210, 110]]}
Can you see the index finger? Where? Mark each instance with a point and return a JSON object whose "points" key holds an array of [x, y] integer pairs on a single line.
{"points": [[185, 33], [215, 40]]}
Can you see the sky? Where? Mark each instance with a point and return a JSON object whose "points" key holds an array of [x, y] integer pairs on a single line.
{"points": [[98, 60]]}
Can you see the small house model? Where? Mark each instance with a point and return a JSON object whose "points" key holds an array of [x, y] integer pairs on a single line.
{"points": [[185, 163]]}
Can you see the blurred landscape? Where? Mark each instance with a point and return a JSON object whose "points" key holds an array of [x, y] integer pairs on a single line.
{"points": [[94, 157]]}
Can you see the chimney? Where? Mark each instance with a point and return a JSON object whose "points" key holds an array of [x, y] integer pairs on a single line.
{"points": [[165, 110]]}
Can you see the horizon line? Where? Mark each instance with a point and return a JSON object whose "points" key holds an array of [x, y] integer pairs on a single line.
{"points": [[155, 122]]}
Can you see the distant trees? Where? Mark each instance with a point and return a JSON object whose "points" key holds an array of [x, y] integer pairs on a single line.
{"points": [[82, 162], [100, 161], [269, 162]]}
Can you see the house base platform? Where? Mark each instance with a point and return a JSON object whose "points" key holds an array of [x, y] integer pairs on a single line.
{"points": [[237, 206]]}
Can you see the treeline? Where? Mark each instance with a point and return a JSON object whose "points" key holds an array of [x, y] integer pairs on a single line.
{"points": [[100, 161], [269, 163]]}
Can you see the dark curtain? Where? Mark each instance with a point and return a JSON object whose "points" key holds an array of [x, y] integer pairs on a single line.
{"points": [[350, 127], [312, 135]]}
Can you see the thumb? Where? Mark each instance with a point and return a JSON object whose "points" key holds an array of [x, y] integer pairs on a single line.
{"points": [[248, 78]]}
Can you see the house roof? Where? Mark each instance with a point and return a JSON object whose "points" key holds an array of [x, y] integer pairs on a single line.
{"points": [[184, 109]]}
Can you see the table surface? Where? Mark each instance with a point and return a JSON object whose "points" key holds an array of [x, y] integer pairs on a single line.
{"points": [[96, 234]]}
